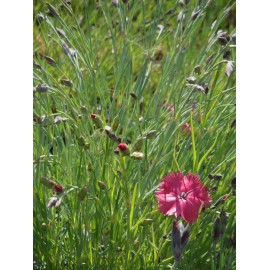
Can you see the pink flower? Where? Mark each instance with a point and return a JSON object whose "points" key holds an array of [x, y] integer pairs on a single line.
{"points": [[182, 196]]}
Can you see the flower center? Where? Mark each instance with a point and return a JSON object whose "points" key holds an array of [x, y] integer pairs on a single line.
{"points": [[183, 196]]}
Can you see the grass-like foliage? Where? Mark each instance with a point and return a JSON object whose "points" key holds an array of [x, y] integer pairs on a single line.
{"points": [[160, 66]]}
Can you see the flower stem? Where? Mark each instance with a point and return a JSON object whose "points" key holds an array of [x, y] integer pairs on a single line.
{"points": [[175, 265]]}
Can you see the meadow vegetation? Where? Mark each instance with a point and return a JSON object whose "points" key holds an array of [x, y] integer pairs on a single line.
{"points": [[157, 76]]}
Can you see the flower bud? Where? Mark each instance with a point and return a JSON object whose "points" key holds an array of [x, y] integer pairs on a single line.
{"points": [[199, 88], [217, 229], [65, 48], [81, 141], [220, 201], [97, 120], [52, 10], [67, 82], [41, 88], [108, 130], [101, 185], [59, 119], [218, 176], [52, 202], [86, 146], [123, 148], [44, 226], [176, 241], [58, 188], [137, 155], [47, 182], [197, 69], [61, 32], [191, 80], [133, 95], [82, 193], [49, 60], [150, 134]]}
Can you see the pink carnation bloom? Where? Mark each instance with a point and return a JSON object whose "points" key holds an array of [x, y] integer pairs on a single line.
{"points": [[182, 196]]}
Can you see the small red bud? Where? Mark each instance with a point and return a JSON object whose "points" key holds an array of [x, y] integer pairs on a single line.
{"points": [[123, 147], [93, 116], [58, 188]]}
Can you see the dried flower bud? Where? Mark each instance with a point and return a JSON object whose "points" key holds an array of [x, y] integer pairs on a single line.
{"points": [[41, 88], [220, 201], [67, 82], [108, 130], [210, 176], [140, 119], [59, 119], [227, 55], [53, 202], [151, 134], [137, 155], [220, 225], [47, 182], [229, 68], [49, 60], [82, 193], [41, 119], [52, 10], [44, 226], [176, 241], [101, 185], [224, 219], [65, 48], [191, 80], [133, 95], [115, 3], [58, 188], [40, 16], [36, 65], [194, 15], [218, 176], [84, 109], [222, 37], [199, 88], [180, 16], [217, 229], [125, 1], [73, 53], [61, 32], [180, 236], [97, 120], [197, 69]]}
